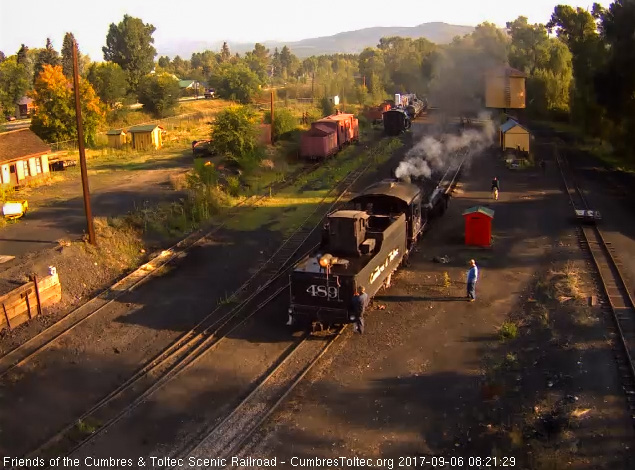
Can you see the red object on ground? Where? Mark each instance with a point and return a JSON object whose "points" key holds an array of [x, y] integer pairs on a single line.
{"points": [[478, 226]]}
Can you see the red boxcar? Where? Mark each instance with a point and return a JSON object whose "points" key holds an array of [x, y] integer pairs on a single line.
{"points": [[320, 141], [348, 127]]}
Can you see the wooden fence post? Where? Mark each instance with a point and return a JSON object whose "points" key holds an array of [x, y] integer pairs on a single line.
{"points": [[6, 315]]}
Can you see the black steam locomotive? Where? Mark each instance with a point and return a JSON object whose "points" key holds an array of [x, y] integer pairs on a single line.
{"points": [[396, 121], [361, 246]]}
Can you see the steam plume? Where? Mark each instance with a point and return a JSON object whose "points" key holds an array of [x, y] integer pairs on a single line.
{"points": [[430, 153]]}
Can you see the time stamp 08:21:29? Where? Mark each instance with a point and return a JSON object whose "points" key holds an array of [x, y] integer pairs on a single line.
{"points": [[459, 462]]}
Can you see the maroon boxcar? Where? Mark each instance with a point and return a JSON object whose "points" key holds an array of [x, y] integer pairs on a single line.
{"points": [[320, 141]]}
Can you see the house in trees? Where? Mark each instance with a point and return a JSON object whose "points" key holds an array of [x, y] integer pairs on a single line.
{"points": [[24, 108], [514, 136], [23, 157], [190, 87], [505, 88], [146, 137]]}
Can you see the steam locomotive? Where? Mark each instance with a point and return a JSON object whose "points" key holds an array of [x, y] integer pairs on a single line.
{"points": [[361, 246]]}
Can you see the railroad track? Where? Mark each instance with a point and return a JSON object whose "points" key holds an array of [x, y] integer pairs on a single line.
{"points": [[228, 438], [183, 353], [231, 436], [617, 301], [25, 352]]}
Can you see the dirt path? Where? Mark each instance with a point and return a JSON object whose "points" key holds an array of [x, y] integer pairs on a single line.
{"points": [[415, 384]]}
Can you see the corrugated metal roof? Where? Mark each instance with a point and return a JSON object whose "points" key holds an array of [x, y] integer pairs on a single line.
{"points": [[19, 144], [481, 209], [510, 124], [186, 83], [115, 132], [400, 190], [144, 128]]}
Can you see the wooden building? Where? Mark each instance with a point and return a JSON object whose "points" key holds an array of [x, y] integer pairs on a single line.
{"points": [[478, 226], [23, 157], [514, 136], [116, 138], [505, 88], [146, 137], [24, 108]]}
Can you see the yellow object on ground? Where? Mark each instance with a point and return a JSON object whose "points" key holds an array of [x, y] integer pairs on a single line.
{"points": [[14, 209]]}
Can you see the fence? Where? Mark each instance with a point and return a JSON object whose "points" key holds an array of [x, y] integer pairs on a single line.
{"points": [[26, 302]]}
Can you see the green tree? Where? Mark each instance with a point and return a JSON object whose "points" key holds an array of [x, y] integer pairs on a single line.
{"points": [[236, 82], [235, 133], [225, 53], [129, 44], [46, 56], [164, 62], [54, 98], [67, 55], [577, 28], [159, 93], [109, 81], [22, 57], [615, 81], [14, 82]]}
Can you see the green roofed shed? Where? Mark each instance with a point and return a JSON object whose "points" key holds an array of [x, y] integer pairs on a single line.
{"points": [[478, 226], [146, 136], [116, 138]]}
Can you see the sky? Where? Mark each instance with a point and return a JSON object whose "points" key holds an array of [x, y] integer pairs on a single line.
{"points": [[31, 22]]}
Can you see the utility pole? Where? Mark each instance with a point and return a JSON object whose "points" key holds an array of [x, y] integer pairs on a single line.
{"points": [[82, 152], [272, 117]]}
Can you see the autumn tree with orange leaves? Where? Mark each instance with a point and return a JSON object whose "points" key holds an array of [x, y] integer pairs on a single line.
{"points": [[54, 119]]}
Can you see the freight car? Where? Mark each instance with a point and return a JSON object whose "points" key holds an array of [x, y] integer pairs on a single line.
{"points": [[396, 121], [361, 246], [329, 135]]}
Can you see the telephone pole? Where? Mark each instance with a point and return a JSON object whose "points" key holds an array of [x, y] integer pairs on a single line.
{"points": [[272, 117], [82, 152]]}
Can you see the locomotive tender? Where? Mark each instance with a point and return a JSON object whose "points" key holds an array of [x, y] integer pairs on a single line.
{"points": [[361, 246]]}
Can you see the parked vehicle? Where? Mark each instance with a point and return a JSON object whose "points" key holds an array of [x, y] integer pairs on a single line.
{"points": [[210, 93], [61, 165]]}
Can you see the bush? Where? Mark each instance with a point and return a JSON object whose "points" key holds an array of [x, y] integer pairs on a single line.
{"points": [[159, 94], [233, 186], [284, 122], [327, 107]]}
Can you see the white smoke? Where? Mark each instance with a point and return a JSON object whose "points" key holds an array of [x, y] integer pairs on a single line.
{"points": [[430, 153]]}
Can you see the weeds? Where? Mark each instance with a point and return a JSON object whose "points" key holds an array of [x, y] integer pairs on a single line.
{"points": [[85, 427], [508, 331]]}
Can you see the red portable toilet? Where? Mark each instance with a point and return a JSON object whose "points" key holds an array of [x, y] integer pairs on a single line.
{"points": [[478, 226]]}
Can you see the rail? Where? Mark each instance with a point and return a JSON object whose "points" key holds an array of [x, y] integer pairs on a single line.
{"points": [[617, 297], [186, 351]]}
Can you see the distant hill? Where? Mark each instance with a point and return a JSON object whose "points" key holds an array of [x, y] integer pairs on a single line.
{"points": [[350, 42]]}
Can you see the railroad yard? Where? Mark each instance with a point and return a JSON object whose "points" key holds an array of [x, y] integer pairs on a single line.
{"points": [[195, 360]]}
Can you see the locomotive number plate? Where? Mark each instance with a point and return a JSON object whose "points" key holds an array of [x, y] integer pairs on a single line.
{"points": [[329, 292]]}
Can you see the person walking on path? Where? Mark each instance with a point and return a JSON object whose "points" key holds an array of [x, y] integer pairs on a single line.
{"points": [[360, 302], [472, 277], [495, 188]]}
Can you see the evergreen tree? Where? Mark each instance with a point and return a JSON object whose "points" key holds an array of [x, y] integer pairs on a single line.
{"points": [[67, 55], [225, 53], [47, 56], [22, 58]]}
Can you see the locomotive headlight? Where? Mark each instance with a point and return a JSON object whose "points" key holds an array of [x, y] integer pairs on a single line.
{"points": [[325, 260], [290, 310]]}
